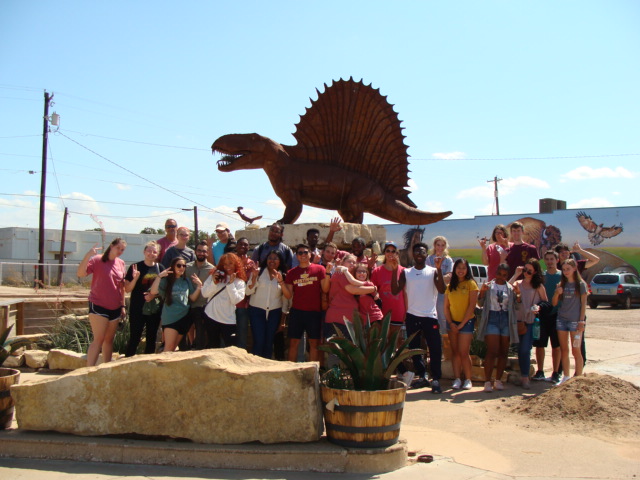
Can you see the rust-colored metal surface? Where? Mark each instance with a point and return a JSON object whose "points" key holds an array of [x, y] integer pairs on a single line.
{"points": [[350, 157]]}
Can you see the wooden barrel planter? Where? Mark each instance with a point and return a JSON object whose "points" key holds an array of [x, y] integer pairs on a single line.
{"points": [[8, 377], [364, 419]]}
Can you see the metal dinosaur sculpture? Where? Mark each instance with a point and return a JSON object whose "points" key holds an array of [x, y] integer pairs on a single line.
{"points": [[350, 157]]}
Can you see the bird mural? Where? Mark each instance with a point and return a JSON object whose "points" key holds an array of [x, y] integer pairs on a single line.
{"points": [[597, 232]]}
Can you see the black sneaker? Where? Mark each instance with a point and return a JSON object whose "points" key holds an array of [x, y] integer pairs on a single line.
{"points": [[539, 376], [420, 383], [554, 378], [435, 387]]}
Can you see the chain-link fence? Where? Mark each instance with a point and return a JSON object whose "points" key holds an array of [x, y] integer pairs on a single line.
{"points": [[23, 274]]}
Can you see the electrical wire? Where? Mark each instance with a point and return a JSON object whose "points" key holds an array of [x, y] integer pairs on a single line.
{"points": [[141, 177], [608, 155], [139, 142]]}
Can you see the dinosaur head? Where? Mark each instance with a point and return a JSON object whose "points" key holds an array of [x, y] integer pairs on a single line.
{"points": [[242, 151]]}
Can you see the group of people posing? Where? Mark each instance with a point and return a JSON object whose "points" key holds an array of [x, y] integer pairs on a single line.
{"points": [[210, 297]]}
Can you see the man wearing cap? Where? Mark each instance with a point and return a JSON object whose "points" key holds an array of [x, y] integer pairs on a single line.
{"points": [[170, 239], [217, 248]]}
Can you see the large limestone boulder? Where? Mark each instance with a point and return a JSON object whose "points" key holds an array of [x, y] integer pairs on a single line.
{"points": [[297, 233], [61, 359], [222, 396]]}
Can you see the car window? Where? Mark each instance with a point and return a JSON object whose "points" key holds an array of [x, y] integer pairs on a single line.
{"points": [[606, 279]]}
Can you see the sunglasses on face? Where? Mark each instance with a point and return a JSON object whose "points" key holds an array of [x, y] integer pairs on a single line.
{"points": [[305, 252], [390, 251], [529, 271], [180, 265], [170, 226]]}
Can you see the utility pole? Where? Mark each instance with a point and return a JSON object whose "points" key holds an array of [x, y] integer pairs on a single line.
{"points": [[62, 240], [495, 192], [195, 223], [43, 183]]}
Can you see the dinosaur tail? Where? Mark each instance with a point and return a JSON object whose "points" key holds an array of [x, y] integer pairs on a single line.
{"points": [[399, 212]]}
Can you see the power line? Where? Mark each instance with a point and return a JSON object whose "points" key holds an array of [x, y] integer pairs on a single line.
{"points": [[93, 201], [139, 142], [522, 158]]}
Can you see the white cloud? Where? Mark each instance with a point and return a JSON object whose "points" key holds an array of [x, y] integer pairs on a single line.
{"points": [[512, 185], [476, 192], [412, 185], [275, 202], [595, 202], [449, 155], [433, 206], [120, 186], [507, 186], [589, 173], [84, 204]]}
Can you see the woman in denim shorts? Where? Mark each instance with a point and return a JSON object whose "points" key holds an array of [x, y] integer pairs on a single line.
{"points": [[572, 291], [498, 325]]}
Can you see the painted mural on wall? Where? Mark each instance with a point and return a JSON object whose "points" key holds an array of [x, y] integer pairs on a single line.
{"points": [[613, 234]]}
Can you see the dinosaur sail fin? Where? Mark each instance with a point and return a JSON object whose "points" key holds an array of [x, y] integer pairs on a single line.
{"points": [[353, 126]]}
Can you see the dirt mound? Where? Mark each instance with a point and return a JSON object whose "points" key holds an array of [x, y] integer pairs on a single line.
{"points": [[590, 402]]}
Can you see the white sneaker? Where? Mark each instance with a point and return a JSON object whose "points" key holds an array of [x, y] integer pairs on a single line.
{"points": [[487, 387], [407, 378], [467, 385], [498, 385], [456, 384], [564, 379]]}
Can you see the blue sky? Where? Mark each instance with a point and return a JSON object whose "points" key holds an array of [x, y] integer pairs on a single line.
{"points": [[483, 89]]}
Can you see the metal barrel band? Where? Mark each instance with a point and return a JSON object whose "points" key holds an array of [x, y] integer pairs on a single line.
{"points": [[375, 444], [371, 408], [348, 429]]}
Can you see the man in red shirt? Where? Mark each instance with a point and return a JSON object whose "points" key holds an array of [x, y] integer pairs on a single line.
{"points": [[519, 251], [306, 282]]}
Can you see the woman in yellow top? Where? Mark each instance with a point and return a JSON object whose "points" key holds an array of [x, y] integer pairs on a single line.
{"points": [[459, 310]]}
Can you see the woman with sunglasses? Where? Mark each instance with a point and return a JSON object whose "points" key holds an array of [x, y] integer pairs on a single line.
{"points": [[529, 292], [177, 290], [381, 277]]}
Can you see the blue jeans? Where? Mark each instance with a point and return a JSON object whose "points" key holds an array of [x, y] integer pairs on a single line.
{"points": [[242, 327], [524, 351], [263, 329], [431, 331]]}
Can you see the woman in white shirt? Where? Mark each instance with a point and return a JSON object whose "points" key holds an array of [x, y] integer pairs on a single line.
{"points": [[223, 290], [266, 301]]}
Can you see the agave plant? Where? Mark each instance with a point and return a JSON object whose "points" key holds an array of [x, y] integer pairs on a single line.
{"points": [[8, 346], [371, 356]]}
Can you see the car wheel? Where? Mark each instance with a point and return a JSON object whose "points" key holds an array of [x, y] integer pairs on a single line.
{"points": [[627, 303], [593, 305]]}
